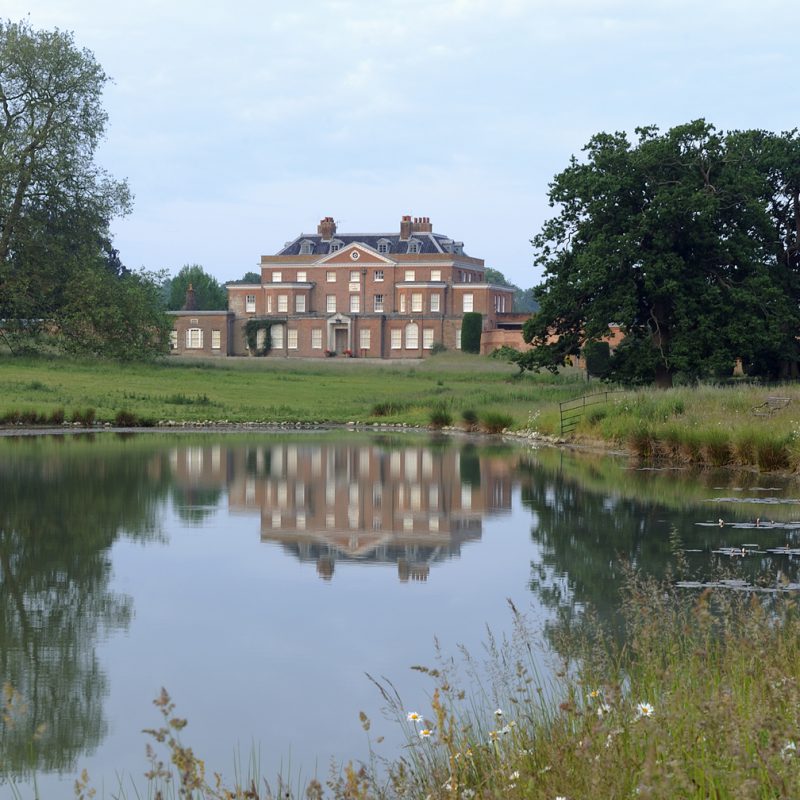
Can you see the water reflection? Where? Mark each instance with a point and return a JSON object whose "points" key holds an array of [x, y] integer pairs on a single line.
{"points": [[421, 507], [60, 512], [373, 502]]}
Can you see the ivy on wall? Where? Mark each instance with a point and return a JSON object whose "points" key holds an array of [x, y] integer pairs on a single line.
{"points": [[251, 329]]}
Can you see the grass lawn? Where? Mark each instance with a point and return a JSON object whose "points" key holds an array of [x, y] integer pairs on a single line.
{"points": [[271, 390]]}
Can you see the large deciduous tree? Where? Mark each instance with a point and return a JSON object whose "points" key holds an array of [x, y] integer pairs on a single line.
{"points": [[56, 203], [672, 238], [208, 294]]}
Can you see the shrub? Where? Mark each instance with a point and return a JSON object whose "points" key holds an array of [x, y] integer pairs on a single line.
{"points": [[387, 409], [470, 418], [57, 416], [85, 417], [496, 421], [125, 419], [437, 348], [439, 417], [471, 327], [598, 358]]}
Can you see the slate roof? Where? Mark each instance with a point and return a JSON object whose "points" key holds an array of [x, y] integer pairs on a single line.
{"points": [[428, 243]]}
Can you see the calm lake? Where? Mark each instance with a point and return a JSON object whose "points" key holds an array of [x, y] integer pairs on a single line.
{"points": [[259, 577]]}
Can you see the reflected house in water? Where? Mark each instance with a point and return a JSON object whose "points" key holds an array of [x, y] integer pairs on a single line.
{"points": [[404, 505]]}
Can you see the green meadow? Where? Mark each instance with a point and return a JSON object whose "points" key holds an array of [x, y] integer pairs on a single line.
{"points": [[713, 425], [275, 391]]}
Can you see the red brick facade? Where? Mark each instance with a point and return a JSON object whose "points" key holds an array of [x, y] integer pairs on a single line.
{"points": [[364, 295]]}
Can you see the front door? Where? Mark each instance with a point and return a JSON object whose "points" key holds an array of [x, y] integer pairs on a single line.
{"points": [[340, 340]]}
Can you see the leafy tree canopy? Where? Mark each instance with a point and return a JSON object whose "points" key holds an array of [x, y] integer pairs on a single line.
{"points": [[209, 295], [56, 203], [687, 239], [524, 300], [248, 277]]}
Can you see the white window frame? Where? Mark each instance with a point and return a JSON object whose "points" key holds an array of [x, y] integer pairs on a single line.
{"points": [[436, 302], [194, 338], [355, 276], [402, 304], [410, 275], [299, 304], [269, 304], [283, 303], [330, 303], [277, 336], [216, 339], [173, 339], [355, 303], [316, 338], [467, 301], [250, 304], [364, 338], [411, 335], [458, 338], [416, 302], [396, 339], [277, 277], [436, 274], [302, 276], [330, 276], [378, 276], [291, 339], [378, 303], [427, 338]]}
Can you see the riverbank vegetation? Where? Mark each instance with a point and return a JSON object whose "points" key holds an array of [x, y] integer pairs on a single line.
{"points": [[711, 425]]}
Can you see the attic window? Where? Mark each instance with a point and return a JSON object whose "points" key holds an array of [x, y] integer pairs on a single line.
{"points": [[413, 246], [383, 246], [306, 248], [336, 245]]}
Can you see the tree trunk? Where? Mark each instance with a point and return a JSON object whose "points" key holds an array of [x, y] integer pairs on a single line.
{"points": [[663, 377]]}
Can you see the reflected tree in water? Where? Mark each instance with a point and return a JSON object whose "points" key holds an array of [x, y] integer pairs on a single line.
{"points": [[60, 513]]}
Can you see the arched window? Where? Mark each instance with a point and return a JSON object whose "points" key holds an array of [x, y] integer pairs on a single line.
{"points": [[412, 336]]}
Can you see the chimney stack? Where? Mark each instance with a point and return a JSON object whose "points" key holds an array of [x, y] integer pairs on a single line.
{"points": [[191, 301], [326, 228], [405, 228], [422, 225]]}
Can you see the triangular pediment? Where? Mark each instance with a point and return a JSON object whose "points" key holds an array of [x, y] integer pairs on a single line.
{"points": [[355, 254]]}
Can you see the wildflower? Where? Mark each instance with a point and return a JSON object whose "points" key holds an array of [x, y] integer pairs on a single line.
{"points": [[595, 694], [448, 785], [505, 730], [425, 733], [467, 794], [789, 749], [603, 709], [498, 712], [514, 775], [412, 716], [493, 736], [644, 710]]}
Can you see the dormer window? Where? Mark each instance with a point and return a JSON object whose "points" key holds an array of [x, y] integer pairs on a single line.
{"points": [[458, 247], [384, 245], [414, 246], [336, 245], [306, 247]]}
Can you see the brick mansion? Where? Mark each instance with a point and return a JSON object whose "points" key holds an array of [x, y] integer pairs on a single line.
{"points": [[366, 295]]}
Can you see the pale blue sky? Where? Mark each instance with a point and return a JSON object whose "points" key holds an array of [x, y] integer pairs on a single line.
{"points": [[240, 124]]}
